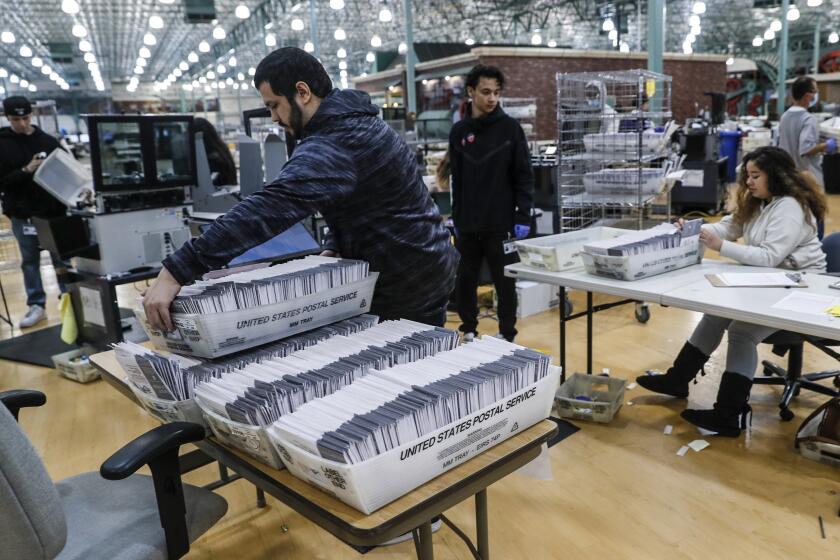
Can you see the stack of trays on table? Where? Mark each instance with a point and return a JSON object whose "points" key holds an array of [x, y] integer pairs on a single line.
{"points": [[625, 181]]}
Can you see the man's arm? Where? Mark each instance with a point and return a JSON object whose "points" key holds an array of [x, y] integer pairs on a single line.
{"points": [[809, 139], [318, 176], [523, 178]]}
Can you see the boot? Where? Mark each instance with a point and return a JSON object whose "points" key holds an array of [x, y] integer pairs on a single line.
{"points": [[731, 413], [675, 382]]}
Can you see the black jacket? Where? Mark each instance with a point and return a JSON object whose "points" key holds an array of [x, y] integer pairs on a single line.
{"points": [[492, 182], [21, 196]]}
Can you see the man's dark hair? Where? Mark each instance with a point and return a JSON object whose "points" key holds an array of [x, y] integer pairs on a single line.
{"points": [[801, 86], [286, 66], [485, 71]]}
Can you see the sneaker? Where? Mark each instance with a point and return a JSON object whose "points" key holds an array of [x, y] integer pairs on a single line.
{"points": [[500, 336], [34, 316], [468, 337], [408, 536]]}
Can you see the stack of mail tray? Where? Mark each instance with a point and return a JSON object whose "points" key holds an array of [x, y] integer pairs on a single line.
{"points": [[645, 253], [224, 315], [562, 251]]}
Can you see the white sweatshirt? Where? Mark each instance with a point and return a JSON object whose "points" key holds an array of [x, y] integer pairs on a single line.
{"points": [[777, 236]]}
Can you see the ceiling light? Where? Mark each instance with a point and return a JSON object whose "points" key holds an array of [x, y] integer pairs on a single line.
{"points": [[297, 24], [229, 81], [385, 15], [93, 67], [342, 65], [206, 89], [536, 39], [252, 71], [177, 73], [149, 39], [243, 85], [85, 46], [339, 34], [24, 83], [690, 39], [833, 37], [308, 47], [776, 25], [4, 73], [370, 57], [236, 86], [757, 41], [343, 73], [204, 46], [32, 88], [141, 62], [90, 57], [814, 3], [184, 66], [375, 42], [402, 48], [138, 70], [156, 22], [552, 43], [270, 40], [8, 37], [221, 69], [219, 33], [65, 87], [46, 70], [613, 35], [470, 42], [37, 62], [730, 61], [70, 7], [192, 57], [54, 76], [769, 35], [608, 25], [793, 13], [336, 4], [232, 61], [242, 11], [687, 48], [268, 25], [693, 20], [624, 47], [79, 31], [211, 75], [2, 90], [25, 51], [341, 53], [240, 76], [202, 80], [699, 8]]}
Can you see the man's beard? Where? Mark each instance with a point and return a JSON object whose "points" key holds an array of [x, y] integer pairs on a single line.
{"points": [[296, 120]]}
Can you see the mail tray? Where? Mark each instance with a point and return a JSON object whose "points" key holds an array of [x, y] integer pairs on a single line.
{"points": [[590, 397], [369, 485], [220, 334], [251, 440], [562, 251], [645, 265]]}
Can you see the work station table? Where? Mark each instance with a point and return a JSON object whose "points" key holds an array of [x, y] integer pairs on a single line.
{"points": [[412, 512]]}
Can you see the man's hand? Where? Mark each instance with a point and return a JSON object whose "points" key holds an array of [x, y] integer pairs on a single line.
{"points": [[831, 146], [330, 253], [33, 165], [521, 231], [157, 300], [710, 239]]}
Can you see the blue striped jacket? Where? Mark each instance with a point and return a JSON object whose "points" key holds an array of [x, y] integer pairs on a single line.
{"points": [[363, 178]]}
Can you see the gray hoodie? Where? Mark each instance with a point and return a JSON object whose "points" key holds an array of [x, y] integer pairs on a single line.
{"points": [[777, 236]]}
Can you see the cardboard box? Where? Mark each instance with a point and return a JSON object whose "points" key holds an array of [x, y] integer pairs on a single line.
{"points": [[634, 267], [562, 251], [374, 483], [219, 334]]}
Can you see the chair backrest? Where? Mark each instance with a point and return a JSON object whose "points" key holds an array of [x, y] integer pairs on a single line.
{"points": [[831, 248], [32, 523]]}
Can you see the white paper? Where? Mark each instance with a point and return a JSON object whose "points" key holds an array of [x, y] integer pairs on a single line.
{"points": [[756, 279], [699, 444], [803, 302], [631, 386], [668, 429], [92, 306], [683, 450]]}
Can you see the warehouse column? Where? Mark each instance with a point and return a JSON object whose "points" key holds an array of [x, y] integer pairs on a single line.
{"points": [[313, 25], [817, 30], [781, 87], [656, 35], [410, 90]]}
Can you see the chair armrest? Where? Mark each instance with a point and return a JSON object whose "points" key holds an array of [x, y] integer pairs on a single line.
{"points": [[148, 447], [159, 449], [20, 398]]}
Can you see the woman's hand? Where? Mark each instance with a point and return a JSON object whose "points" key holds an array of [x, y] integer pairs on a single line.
{"points": [[710, 239], [678, 223]]}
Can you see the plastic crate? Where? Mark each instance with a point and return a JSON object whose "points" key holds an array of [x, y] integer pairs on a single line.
{"points": [[624, 181], [75, 365], [624, 142], [562, 251], [606, 394], [645, 265]]}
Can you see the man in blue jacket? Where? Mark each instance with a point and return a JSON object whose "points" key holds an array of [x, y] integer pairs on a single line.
{"points": [[354, 169]]}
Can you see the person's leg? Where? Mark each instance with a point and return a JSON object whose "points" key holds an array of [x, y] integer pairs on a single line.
{"points": [[30, 255], [435, 318], [690, 360], [505, 286], [731, 413], [469, 245]]}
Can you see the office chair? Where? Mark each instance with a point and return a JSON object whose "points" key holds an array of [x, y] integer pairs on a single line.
{"points": [[91, 516], [793, 344]]}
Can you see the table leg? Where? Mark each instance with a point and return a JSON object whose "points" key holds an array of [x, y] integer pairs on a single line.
{"points": [[562, 334], [425, 549], [481, 527], [589, 332]]}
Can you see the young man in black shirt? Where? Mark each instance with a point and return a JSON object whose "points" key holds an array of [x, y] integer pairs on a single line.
{"points": [[22, 149], [492, 194]]}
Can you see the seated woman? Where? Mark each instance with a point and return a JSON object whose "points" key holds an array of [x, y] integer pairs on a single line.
{"points": [[222, 166], [777, 214]]}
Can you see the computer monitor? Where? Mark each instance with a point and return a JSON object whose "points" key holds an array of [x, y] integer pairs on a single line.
{"points": [[294, 242]]}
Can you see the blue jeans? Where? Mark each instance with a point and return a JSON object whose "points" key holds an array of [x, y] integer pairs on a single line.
{"points": [[30, 256]]}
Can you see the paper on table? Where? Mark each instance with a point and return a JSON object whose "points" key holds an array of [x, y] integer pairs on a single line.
{"points": [[682, 450], [803, 302], [756, 279], [699, 444]]}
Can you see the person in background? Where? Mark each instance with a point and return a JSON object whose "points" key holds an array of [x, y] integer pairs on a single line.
{"points": [[596, 102], [492, 195], [222, 166], [778, 207], [23, 147], [442, 173], [799, 132], [355, 170]]}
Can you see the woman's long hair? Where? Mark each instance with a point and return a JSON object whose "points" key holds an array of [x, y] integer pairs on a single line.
{"points": [[783, 179], [218, 154]]}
